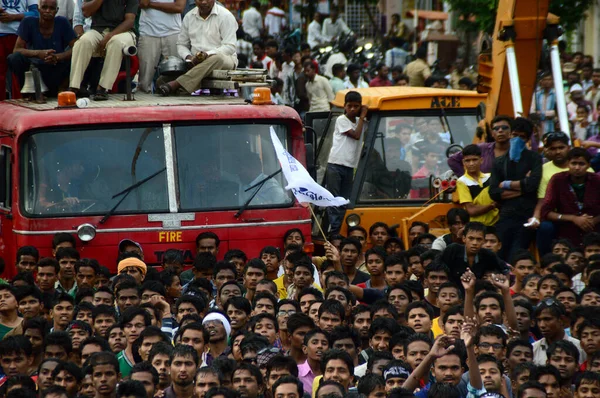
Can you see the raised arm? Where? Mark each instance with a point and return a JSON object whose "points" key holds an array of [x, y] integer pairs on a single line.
{"points": [[441, 347], [468, 281]]}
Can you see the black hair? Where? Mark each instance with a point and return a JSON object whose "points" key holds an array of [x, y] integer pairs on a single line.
{"points": [[378, 356], [336, 274], [264, 295], [298, 320], [205, 261], [197, 301], [587, 377], [15, 345], [353, 96], [530, 385], [160, 348], [436, 266], [417, 337], [253, 370], [383, 325], [289, 380], [486, 295], [474, 226], [104, 358], [207, 235], [281, 361], [490, 330], [369, 383], [70, 368], [344, 332], [145, 366], [95, 340], [54, 390], [259, 317], [240, 303], [337, 354], [256, 263], [283, 302], [347, 293], [454, 310], [235, 253], [182, 350], [579, 153], [131, 312], [419, 304], [129, 388], [333, 307], [66, 252], [351, 240], [545, 370], [62, 237], [517, 343], [564, 346], [28, 251], [59, 338], [49, 262], [104, 310]]}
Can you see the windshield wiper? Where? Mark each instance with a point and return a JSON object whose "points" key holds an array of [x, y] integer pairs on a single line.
{"points": [[259, 185], [126, 192]]}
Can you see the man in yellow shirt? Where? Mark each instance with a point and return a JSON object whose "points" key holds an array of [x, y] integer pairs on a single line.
{"points": [[418, 70], [473, 188]]}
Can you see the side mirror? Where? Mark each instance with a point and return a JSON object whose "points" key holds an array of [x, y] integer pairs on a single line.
{"points": [[453, 149]]}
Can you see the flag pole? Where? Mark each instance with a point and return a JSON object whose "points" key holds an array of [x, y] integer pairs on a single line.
{"points": [[318, 224]]}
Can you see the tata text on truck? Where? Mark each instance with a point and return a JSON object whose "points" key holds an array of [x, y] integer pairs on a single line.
{"points": [[388, 185], [156, 171]]}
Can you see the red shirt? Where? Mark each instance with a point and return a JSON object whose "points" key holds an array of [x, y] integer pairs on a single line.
{"points": [[378, 82]]}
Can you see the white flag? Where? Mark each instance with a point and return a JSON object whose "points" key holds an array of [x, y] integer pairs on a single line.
{"points": [[304, 188]]}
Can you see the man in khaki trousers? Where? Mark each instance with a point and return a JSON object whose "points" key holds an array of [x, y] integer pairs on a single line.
{"points": [[112, 24], [207, 41]]}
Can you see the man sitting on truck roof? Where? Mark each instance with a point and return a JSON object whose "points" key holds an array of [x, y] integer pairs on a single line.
{"points": [[112, 30], [207, 41], [45, 42]]}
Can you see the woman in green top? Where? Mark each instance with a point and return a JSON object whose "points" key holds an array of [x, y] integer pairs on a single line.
{"points": [[9, 317]]}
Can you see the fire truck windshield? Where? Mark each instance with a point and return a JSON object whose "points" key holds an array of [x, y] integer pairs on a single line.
{"points": [[69, 172]]}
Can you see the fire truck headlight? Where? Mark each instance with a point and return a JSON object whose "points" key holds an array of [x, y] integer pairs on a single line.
{"points": [[353, 220], [86, 232]]}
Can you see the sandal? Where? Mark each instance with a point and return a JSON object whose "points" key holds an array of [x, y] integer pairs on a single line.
{"points": [[165, 90], [101, 95]]}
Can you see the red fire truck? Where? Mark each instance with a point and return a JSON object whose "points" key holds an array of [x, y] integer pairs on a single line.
{"points": [[156, 171]]}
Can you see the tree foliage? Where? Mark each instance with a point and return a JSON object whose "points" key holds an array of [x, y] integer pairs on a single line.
{"points": [[484, 13]]}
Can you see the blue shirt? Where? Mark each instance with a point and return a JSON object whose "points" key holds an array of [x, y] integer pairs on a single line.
{"points": [[62, 35]]}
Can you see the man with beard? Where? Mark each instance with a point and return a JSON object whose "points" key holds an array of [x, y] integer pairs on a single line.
{"points": [[219, 329], [184, 362], [105, 374]]}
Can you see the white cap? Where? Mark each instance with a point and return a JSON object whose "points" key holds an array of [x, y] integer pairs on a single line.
{"points": [[215, 316], [576, 87]]}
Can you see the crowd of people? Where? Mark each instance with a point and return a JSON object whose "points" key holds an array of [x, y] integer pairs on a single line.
{"points": [[79, 46]]}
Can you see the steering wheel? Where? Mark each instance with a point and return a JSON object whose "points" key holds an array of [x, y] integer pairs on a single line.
{"points": [[452, 149]]}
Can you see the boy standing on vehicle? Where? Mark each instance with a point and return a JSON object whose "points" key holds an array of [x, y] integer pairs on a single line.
{"points": [[344, 155], [473, 188]]}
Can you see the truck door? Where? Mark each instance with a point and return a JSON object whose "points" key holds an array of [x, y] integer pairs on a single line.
{"points": [[323, 124], [7, 241]]}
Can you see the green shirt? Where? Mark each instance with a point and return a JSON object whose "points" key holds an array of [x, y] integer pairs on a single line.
{"points": [[124, 365], [3, 330]]}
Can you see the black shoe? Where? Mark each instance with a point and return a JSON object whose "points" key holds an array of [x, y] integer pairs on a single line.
{"points": [[101, 95]]}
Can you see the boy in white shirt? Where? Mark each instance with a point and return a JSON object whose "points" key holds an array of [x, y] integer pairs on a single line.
{"points": [[345, 153]]}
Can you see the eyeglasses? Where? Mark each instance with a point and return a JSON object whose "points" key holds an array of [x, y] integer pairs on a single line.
{"points": [[282, 312], [550, 302], [271, 350], [501, 127], [485, 346]]}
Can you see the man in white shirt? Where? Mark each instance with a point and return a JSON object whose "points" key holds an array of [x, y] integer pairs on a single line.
{"points": [[334, 26], [353, 78], [275, 19], [319, 91], [207, 40], [315, 38], [160, 24], [252, 20], [345, 154]]}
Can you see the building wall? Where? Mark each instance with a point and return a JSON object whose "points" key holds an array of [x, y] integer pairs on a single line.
{"points": [[590, 44]]}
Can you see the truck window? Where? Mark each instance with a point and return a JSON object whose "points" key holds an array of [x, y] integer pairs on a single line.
{"points": [[407, 151], [80, 171], [216, 164]]}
